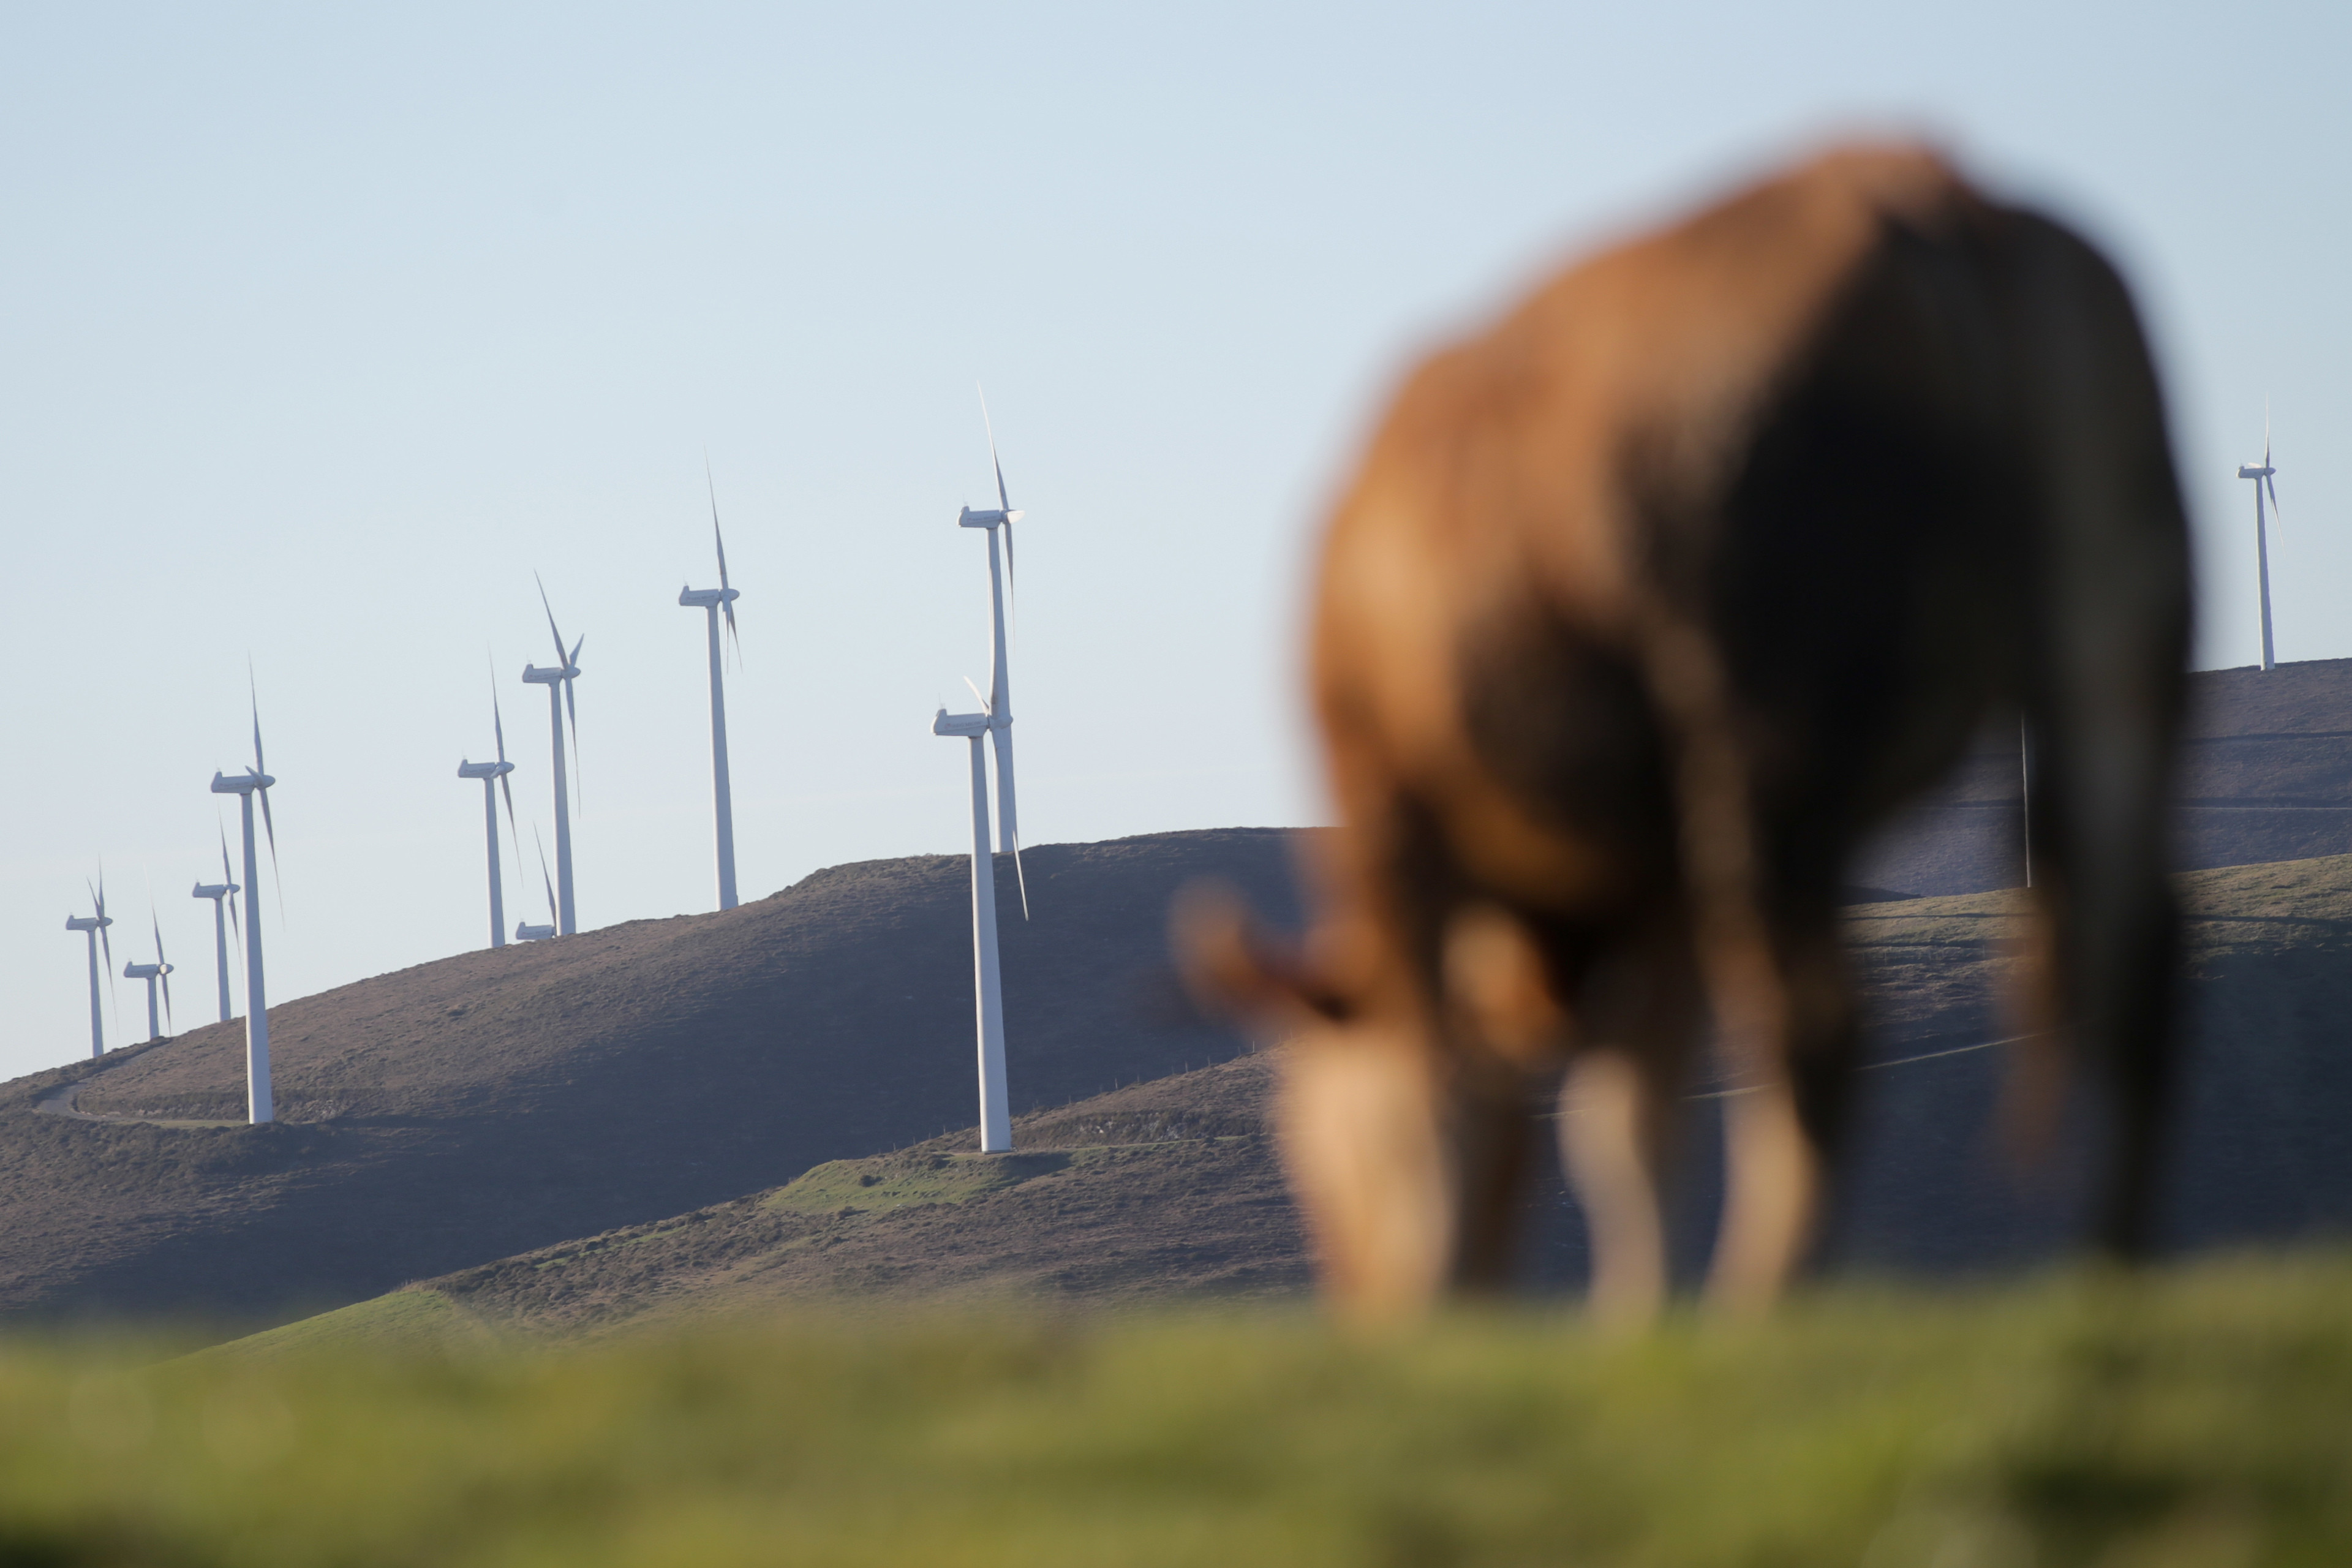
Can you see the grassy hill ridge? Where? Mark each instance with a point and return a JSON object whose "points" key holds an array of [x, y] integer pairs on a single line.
{"points": [[504, 1100], [1170, 1189]]}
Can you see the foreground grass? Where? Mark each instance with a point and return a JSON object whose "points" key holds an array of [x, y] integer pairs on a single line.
{"points": [[2203, 1416]]}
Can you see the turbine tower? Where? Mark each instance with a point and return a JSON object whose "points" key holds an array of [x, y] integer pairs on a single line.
{"points": [[988, 991], [151, 973], [999, 701], [539, 933], [223, 892], [94, 927], [494, 774], [711, 601], [558, 681], [2261, 474], [259, 1105]]}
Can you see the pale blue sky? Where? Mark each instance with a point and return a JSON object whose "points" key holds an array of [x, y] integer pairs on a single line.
{"points": [[322, 330]]}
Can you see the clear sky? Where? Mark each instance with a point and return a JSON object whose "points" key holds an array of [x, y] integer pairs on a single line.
{"points": [[322, 328]]}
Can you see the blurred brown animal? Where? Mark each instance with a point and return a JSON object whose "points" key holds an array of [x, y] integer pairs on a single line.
{"points": [[1647, 604]]}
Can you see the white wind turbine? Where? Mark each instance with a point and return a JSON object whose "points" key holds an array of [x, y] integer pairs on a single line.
{"points": [[558, 681], [495, 773], [539, 933], [260, 1106], [94, 927], [987, 988], [999, 701], [158, 972], [223, 892], [2261, 474], [711, 601]]}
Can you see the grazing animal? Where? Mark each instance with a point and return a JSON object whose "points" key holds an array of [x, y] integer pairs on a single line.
{"points": [[1647, 604]]}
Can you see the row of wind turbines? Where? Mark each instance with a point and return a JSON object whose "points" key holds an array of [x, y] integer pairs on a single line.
{"points": [[990, 728], [986, 732]]}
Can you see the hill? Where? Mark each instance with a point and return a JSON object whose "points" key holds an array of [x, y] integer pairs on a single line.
{"points": [[2266, 775], [505, 1099], [1170, 1189], [496, 1103]]}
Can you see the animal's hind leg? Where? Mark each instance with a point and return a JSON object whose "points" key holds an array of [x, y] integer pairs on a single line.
{"points": [[1783, 1128], [1619, 1106]]}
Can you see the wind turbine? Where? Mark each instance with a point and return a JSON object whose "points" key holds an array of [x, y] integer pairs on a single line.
{"points": [[94, 927], [489, 772], [988, 990], [999, 701], [2261, 474], [151, 973], [711, 601], [222, 892], [558, 681], [260, 1106], [539, 933]]}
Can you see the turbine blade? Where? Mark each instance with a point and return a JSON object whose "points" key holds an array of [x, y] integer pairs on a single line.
{"points": [[990, 425], [572, 714], [733, 638], [976, 697], [277, 877], [157, 924], [171, 1026], [716, 537], [1023, 881], [552, 917], [498, 719], [255, 692], [550, 617], [227, 878], [512, 831], [1011, 585]]}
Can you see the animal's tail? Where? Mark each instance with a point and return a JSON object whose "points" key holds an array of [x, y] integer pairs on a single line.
{"points": [[2104, 683]]}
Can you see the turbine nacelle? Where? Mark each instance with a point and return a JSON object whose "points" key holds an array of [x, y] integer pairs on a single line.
{"points": [[534, 933], [963, 724], [145, 971], [2249, 471], [245, 783], [87, 923], [989, 517], [484, 770], [708, 598], [534, 676], [213, 889]]}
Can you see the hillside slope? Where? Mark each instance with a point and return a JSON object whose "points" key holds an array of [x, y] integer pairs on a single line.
{"points": [[2266, 775], [1170, 1189], [504, 1100]]}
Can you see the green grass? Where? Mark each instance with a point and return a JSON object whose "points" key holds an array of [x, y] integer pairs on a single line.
{"points": [[402, 1319], [896, 1181], [2199, 1417]]}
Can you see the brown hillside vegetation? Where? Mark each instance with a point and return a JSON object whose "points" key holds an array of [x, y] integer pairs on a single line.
{"points": [[1172, 1189], [505, 1099]]}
